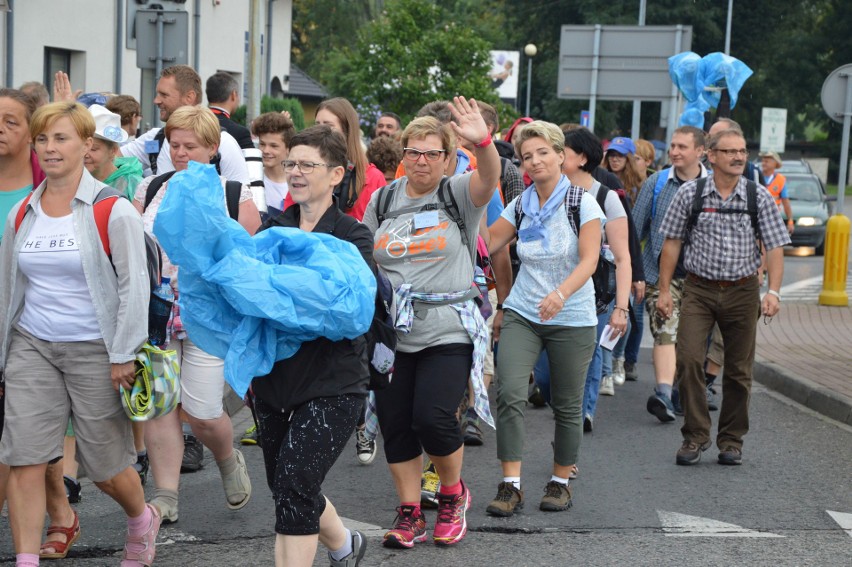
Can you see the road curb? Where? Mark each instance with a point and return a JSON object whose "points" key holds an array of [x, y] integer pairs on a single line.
{"points": [[804, 391]]}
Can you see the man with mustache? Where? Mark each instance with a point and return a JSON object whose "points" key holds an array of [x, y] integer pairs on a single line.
{"points": [[721, 243]]}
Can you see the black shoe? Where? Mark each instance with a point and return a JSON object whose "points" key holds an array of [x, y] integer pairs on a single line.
{"points": [[690, 453], [193, 454], [630, 373], [473, 433], [72, 489], [711, 399], [535, 397], [141, 467], [587, 424], [731, 455]]}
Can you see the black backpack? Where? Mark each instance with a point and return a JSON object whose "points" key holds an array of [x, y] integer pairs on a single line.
{"points": [[698, 208], [604, 277], [232, 194], [382, 337]]}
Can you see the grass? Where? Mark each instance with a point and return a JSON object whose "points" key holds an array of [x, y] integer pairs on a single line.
{"points": [[832, 189]]}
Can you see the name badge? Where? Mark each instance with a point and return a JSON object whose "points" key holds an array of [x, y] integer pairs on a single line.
{"points": [[152, 147], [425, 219]]}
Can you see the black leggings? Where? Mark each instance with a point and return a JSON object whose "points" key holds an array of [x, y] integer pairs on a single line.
{"points": [[419, 407], [298, 450]]}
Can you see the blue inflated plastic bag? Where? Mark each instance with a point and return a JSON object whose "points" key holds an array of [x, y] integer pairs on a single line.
{"points": [[255, 300]]}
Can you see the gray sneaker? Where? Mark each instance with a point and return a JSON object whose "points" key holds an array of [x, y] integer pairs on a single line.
{"points": [[557, 497], [661, 406], [630, 373], [359, 547], [508, 500]]}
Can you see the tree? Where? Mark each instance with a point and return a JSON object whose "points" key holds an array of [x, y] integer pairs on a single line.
{"points": [[411, 55]]}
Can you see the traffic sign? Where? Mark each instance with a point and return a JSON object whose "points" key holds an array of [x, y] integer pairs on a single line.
{"points": [[773, 130], [833, 94]]}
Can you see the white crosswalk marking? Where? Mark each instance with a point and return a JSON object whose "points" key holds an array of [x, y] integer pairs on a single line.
{"points": [[681, 525], [807, 291], [843, 519]]}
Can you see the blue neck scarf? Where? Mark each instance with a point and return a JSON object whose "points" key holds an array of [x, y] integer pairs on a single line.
{"points": [[538, 215]]}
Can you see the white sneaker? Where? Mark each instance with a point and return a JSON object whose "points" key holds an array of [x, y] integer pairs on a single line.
{"points": [[365, 448], [618, 375], [607, 386]]}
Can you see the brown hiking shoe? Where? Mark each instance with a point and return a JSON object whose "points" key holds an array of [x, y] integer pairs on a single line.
{"points": [[508, 500], [557, 497], [690, 452]]}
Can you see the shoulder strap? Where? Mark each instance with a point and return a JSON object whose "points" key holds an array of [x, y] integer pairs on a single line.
{"points": [[154, 186], [601, 197], [697, 207], [572, 207], [519, 212], [152, 156], [232, 198], [446, 197], [751, 206], [105, 200], [22, 211], [384, 199], [662, 177]]}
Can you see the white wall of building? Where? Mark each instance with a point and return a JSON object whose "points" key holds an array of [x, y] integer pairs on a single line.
{"points": [[88, 29]]}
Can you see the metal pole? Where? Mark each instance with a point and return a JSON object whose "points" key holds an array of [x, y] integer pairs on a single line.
{"points": [[529, 83], [844, 146], [728, 28], [268, 45], [119, 44], [10, 45], [637, 104], [254, 76], [593, 99], [673, 106], [158, 64], [196, 36]]}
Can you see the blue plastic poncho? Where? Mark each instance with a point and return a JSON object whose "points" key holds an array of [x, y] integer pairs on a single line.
{"points": [[255, 300], [691, 74]]}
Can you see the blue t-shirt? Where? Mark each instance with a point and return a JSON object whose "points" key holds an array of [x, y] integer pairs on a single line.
{"points": [[542, 270], [9, 199], [495, 207]]}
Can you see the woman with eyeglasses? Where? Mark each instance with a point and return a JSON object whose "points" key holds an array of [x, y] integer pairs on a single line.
{"points": [[193, 135], [308, 405], [429, 261]]}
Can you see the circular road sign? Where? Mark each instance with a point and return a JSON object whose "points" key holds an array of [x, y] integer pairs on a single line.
{"points": [[834, 92]]}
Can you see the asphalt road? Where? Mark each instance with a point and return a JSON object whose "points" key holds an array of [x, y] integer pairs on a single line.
{"points": [[632, 504]]}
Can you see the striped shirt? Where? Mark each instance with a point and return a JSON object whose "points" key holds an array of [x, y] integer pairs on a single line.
{"points": [[722, 246]]}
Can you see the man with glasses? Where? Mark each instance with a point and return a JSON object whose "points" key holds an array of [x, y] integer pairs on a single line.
{"points": [[721, 257], [685, 151]]}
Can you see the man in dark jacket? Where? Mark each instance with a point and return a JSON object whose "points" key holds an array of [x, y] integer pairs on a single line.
{"points": [[223, 98]]}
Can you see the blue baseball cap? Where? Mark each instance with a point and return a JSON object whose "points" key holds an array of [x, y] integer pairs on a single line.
{"points": [[623, 146]]}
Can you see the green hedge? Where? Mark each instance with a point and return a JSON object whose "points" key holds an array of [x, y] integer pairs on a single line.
{"points": [[271, 104]]}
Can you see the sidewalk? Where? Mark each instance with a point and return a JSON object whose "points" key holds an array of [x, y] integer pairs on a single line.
{"points": [[805, 353]]}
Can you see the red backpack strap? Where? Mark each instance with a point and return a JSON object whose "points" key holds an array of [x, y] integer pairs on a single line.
{"points": [[22, 211], [102, 209]]}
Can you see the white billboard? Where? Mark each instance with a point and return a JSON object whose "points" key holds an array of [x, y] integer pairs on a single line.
{"points": [[505, 68]]}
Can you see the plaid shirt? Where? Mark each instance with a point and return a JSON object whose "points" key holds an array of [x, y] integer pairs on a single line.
{"points": [[512, 183], [722, 246], [648, 226]]}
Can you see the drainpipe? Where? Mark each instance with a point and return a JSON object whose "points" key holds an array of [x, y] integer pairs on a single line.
{"points": [[10, 46], [196, 35], [268, 46], [119, 51]]}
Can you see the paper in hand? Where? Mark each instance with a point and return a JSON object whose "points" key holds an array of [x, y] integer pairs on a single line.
{"points": [[609, 337]]}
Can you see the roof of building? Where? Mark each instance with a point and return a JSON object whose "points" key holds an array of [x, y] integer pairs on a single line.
{"points": [[303, 85]]}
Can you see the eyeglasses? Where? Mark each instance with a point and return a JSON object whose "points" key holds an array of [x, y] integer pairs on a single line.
{"points": [[413, 154], [732, 153], [304, 166]]}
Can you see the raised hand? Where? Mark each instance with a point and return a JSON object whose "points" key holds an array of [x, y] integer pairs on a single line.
{"points": [[468, 123]]}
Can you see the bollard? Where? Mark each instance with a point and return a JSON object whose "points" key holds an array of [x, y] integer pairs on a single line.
{"points": [[836, 260]]}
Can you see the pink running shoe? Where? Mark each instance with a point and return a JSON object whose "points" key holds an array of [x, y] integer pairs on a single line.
{"points": [[451, 526], [407, 529]]}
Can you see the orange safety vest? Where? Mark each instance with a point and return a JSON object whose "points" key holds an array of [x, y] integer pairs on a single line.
{"points": [[776, 186]]}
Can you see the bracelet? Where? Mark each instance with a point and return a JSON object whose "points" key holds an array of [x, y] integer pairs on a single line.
{"points": [[622, 309], [559, 293], [775, 293], [499, 307], [484, 143]]}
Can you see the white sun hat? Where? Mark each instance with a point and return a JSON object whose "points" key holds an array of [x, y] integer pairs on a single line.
{"points": [[107, 125]]}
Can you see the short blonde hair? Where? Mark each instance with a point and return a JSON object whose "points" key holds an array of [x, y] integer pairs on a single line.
{"points": [[551, 133], [199, 120], [426, 126], [44, 117], [645, 150]]}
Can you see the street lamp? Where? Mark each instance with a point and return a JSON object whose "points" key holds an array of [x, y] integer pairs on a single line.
{"points": [[529, 50]]}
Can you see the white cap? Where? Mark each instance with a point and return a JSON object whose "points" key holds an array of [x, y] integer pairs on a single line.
{"points": [[107, 125]]}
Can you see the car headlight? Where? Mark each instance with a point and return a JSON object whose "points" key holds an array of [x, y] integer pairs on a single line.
{"points": [[809, 221]]}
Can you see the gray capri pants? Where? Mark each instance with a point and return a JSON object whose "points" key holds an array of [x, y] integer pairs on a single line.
{"points": [[48, 381], [570, 350]]}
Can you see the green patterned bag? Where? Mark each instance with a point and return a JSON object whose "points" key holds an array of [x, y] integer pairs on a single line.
{"points": [[156, 390]]}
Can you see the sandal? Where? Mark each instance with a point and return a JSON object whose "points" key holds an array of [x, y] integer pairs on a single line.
{"points": [[148, 539], [60, 548]]}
